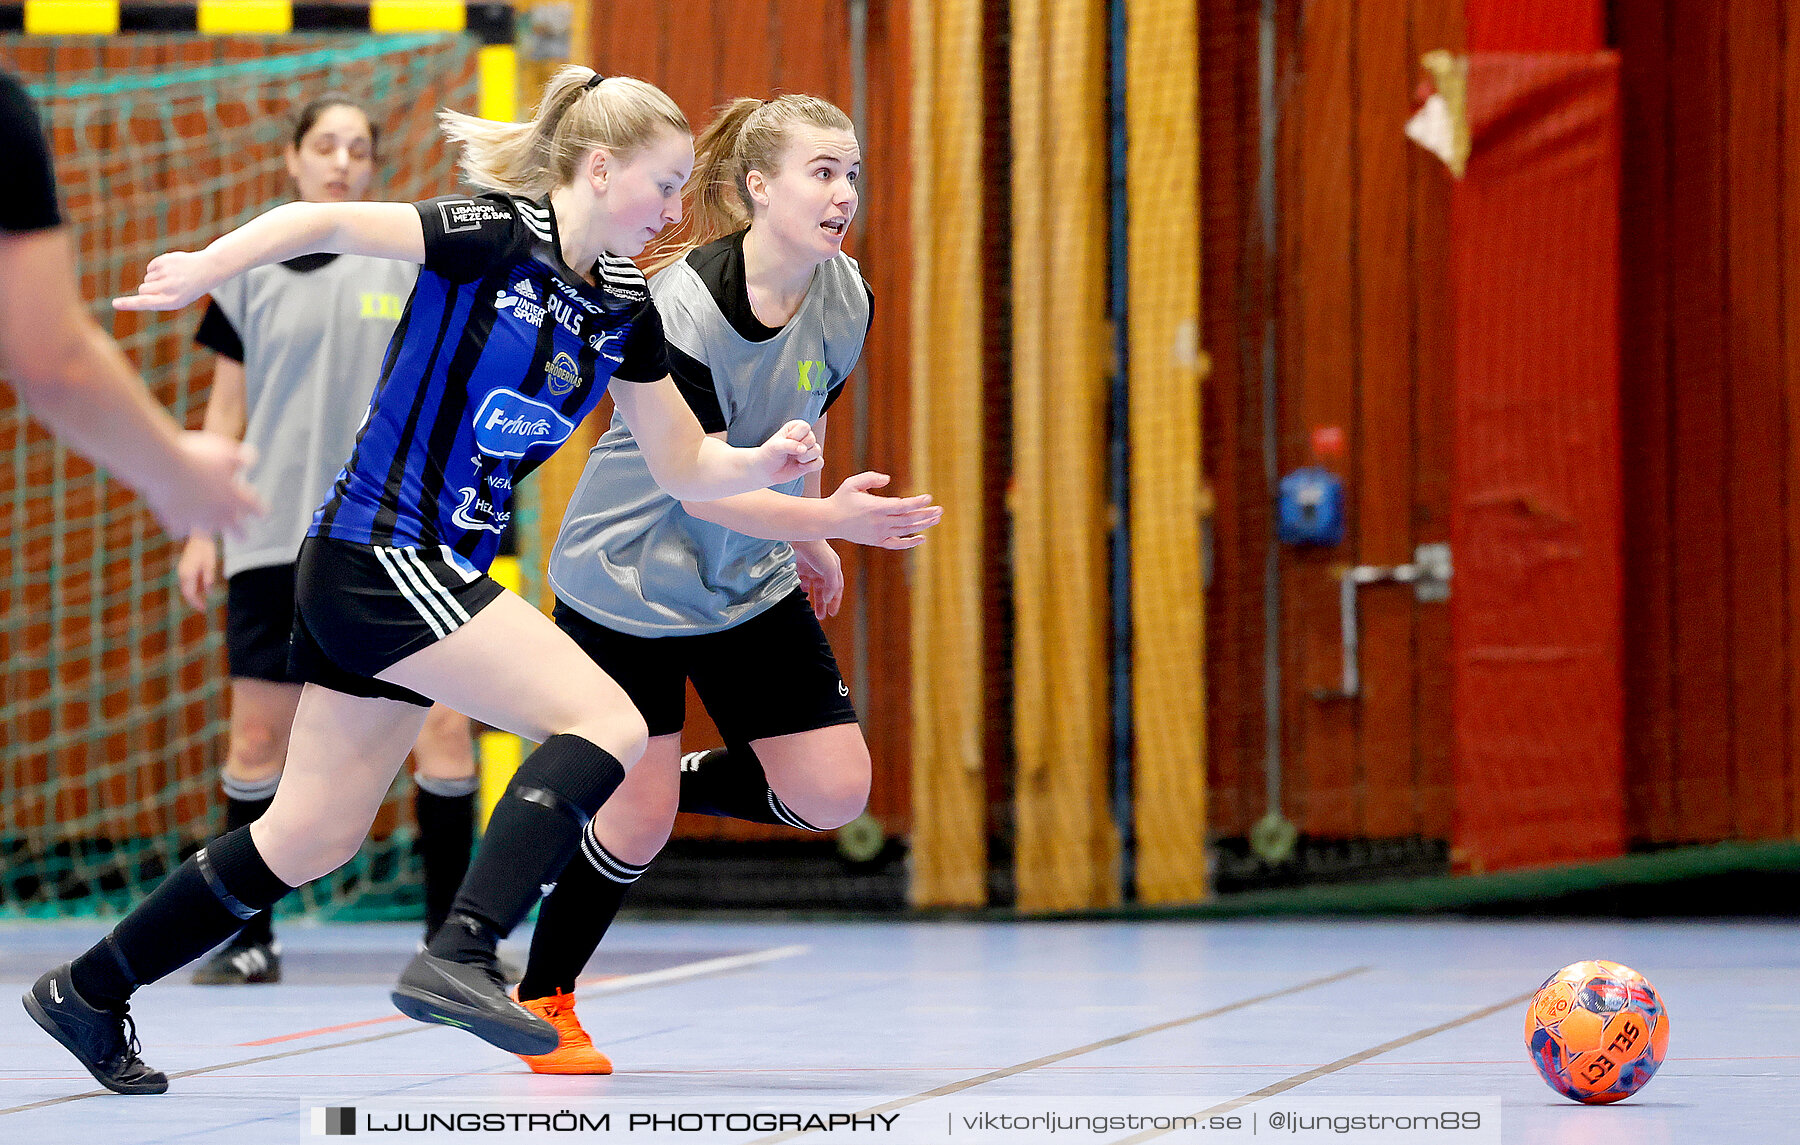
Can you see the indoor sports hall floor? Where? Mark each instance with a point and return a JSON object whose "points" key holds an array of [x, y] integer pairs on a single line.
{"points": [[930, 1018]]}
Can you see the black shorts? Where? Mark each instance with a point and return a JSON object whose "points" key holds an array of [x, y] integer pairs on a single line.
{"points": [[361, 609], [259, 619], [772, 675]]}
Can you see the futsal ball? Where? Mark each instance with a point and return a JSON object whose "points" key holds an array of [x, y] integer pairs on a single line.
{"points": [[1596, 1031]]}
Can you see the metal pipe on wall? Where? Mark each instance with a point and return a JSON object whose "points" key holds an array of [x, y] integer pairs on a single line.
{"points": [[1273, 836]]}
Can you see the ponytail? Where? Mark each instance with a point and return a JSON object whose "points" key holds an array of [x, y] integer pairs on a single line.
{"points": [[577, 113]]}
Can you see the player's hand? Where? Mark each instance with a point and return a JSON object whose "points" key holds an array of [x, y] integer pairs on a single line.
{"points": [[198, 570], [884, 522], [171, 281], [792, 452], [821, 575], [205, 491]]}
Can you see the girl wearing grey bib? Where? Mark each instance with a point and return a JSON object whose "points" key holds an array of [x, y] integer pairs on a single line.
{"points": [[764, 322], [300, 346]]}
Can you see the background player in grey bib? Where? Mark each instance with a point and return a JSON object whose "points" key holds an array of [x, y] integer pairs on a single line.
{"points": [[764, 323], [300, 346]]}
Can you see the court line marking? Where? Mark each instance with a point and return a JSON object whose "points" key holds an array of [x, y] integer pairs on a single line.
{"points": [[611, 986], [1104, 1043], [600, 984], [323, 1030], [1299, 1079]]}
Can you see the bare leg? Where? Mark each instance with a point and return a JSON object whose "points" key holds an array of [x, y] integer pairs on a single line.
{"points": [[512, 668], [635, 823], [341, 759]]}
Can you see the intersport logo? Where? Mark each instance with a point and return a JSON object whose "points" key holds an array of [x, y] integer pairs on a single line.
{"points": [[508, 424]]}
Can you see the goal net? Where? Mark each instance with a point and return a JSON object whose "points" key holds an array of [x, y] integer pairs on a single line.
{"points": [[112, 692]]}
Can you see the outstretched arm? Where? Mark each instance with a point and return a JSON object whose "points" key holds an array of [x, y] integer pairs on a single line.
{"points": [[71, 375], [691, 466], [853, 513], [380, 230]]}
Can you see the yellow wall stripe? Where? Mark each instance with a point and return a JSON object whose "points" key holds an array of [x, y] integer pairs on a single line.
{"points": [[948, 864], [497, 71], [498, 753], [1066, 850], [1168, 497], [417, 16], [71, 17], [245, 17]]}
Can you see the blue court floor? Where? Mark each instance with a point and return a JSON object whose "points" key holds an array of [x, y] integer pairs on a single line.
{"points": [[927, 1022]]}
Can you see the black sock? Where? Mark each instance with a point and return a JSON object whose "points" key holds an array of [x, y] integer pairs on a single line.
{"points": [[445, 809], [198, 905], [244, 805], [575, 917], [531, 835], [729, 783]]}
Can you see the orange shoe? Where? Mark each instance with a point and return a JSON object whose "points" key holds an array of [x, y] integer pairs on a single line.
{"points": [[574, 1052]]}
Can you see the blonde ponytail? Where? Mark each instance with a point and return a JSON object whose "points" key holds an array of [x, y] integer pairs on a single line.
{"points": [[575, 115], [745, 135]]}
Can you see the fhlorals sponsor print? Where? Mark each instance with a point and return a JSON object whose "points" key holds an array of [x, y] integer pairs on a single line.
{"points": [[509, 424]]}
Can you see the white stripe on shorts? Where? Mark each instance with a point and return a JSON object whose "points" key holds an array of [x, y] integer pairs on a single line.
{"points": [[439, 592], [403, 582], [421, 589]]}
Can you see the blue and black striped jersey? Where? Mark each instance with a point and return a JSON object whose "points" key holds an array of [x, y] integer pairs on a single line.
{"points": [[501, 351]]}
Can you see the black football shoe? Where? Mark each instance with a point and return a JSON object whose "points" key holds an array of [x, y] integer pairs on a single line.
{"points": [[104, 1041], [471, 996]]}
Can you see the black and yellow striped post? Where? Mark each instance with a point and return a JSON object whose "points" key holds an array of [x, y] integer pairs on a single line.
{"points": [[491, 24]]}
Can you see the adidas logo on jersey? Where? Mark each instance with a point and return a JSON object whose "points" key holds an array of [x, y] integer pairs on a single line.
{"points": [[520, 304], [523, 289]]}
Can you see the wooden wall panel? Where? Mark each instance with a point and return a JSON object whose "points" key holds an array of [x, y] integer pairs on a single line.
{"points": [[1435, 24], [1788, 140], [885, 388], [1753, 51], [1713, 537], [1322, 391], [1702, 617], [1643, 39], [1385, 74], [1233, 303]]}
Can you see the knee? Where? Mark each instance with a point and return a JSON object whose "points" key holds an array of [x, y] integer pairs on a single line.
{"points": [[830, 797], [621, 732], [635, 824], [445, 749], [255, 750], [639, 837], [300, 853]]}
